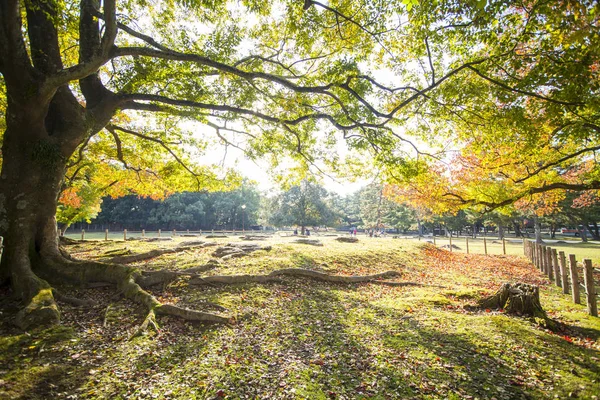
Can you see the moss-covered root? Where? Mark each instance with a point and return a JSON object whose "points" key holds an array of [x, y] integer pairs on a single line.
{"points": [[41, 309], [130, 289]]}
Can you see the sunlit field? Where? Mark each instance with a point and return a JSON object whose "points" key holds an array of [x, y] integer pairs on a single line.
{"points": [[305, 339]]}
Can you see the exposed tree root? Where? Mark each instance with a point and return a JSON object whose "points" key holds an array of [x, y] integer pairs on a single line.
{"points": [[126, 280], [154, 239], [312, 242], [130, 258], [65, 241], [233, 250], [130, 283], [347, 239], [41, 308], [71, 300], [296, 272], [254, 237], [210, 264]]}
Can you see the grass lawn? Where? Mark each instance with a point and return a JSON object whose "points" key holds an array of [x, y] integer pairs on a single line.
{"points": [[302, 339]]}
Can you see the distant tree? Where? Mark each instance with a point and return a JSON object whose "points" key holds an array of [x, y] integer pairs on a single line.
{"points": [[377, 210], [307, 204], [348, 208]]}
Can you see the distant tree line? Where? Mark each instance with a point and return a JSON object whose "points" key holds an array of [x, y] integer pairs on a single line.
{"points": [[188, 210], [309, 204]]}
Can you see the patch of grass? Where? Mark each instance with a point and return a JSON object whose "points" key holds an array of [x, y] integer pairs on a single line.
{"points": [[299, 339]]}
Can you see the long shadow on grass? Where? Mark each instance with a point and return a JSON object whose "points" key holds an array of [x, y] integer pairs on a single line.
{"points": [[29, 369], [475, 363]]}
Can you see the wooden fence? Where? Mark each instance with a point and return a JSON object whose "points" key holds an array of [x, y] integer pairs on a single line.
{"points": [[160, 233], [564, 274]]}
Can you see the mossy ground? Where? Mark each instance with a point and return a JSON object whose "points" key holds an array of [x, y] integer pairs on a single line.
{"points": [[301, 339]]}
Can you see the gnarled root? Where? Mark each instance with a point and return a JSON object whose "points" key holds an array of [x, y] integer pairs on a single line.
{"points": [[41, 309], [232, 250], [126, 279], [297, 272]]}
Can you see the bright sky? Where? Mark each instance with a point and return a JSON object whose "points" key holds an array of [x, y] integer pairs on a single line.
{"points": [[259, 171]]}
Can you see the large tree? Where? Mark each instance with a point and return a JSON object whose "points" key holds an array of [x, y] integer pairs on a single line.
{"points": [[289, 78], [77, 73]]}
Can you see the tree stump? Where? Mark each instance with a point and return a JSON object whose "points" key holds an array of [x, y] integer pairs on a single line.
{"points": [[519, 298]]}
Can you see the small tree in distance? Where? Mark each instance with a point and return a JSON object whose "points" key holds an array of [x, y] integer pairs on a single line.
{"points": [[303, 205]]}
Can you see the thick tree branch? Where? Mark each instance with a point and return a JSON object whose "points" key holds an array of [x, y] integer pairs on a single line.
{"points": [[520, 91], [43, 36], [93, 51], [15, 64], [492, 205]]}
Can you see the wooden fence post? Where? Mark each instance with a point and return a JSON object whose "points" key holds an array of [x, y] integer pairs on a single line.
{"points": [[590, 290], [125, 234], [106, 234], [485, 246], [574, 279], [467, 243], [450, 245], [550, 270], [557, 276], [159, 233], [503, 246], [563, 272], [82, 235], [174, 233], [187, 231], [434, 240], [143, 233], [545, 259]]}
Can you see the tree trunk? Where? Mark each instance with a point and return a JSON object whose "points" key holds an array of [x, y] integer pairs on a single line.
{"points": [[500, 231], [518, 232], [583, 232], [592, 231], [538, 230], [32, 173]]}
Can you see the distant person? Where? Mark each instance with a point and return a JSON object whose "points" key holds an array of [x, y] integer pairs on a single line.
{"points": [[307, 232], [295, 231], [355, 231]]}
